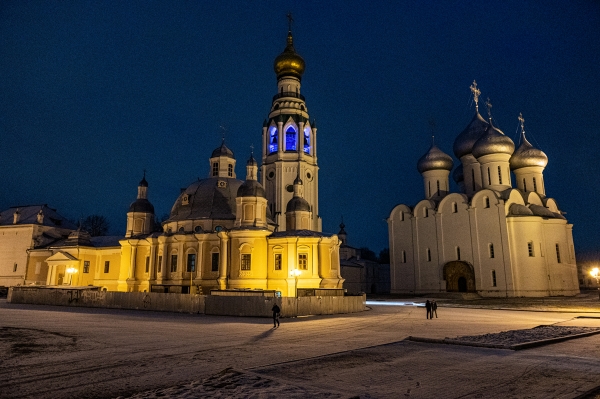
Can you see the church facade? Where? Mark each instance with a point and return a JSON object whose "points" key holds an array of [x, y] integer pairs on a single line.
{"points": [[222, 232], [495, 237]]}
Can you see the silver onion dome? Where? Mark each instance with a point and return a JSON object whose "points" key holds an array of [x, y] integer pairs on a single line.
{"points": [[458, 174], [464, 142], [493, 142], [527, 155], [434, 159]]}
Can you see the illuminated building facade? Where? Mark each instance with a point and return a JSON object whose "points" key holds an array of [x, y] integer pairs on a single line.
{"points": [[222, 232], [491, 238]]}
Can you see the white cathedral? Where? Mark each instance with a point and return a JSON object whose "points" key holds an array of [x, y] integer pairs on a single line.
{"points": [[491, 238]]}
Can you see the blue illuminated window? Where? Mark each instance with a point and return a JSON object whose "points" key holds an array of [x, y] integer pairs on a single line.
{"points": [[273, 140], [290, 139], [307, 141]]}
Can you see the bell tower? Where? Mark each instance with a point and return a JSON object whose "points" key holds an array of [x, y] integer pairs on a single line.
{"points": [[290, 141]]}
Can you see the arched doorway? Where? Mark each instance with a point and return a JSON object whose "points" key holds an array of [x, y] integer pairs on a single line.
{"points": [[459, 277]]}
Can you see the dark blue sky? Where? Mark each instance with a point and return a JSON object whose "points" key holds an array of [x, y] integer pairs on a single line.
{"points": [[93, 92]]}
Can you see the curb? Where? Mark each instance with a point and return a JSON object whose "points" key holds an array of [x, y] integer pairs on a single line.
{"points": [[515, 347]]}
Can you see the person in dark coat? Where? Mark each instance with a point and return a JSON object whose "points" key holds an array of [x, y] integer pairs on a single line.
{"points": [[433, 309], [275, 309], [428, 307]]}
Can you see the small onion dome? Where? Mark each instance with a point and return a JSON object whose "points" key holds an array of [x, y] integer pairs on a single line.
{"points": [[458, 174], [527, 155], [289, 63], [143, 182], [464, 142], [141, 205], [342, 231], [222, 151], [493, 142], [434, 159], [251, 161], [251, 188], [297, 204]]}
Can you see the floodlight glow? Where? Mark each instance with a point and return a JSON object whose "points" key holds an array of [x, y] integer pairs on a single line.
{"points": [[71, 270], [595, 272]]}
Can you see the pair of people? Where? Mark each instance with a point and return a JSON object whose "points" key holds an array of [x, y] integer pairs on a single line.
{"points": [[431, 307]]}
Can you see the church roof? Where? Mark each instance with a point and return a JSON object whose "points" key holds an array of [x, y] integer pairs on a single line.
{"points": [[299, 233], [141, 205], [251, 188], [211, 198], [28, 214]]}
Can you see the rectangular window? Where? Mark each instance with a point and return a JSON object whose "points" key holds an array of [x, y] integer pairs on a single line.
{"points": [[493, 278], [215, 262], [86, 266], [173, 263], [106, 266], [489, 176], [558, 253], [15, 267], [246, 261], [230, 170], [402, 216], [491, 250], [457, 253], [215, 169], [428, 255], [403, 256], [303, 261], [160, 263], [191, 263], [499, 175], [147, 264], [534, 185], [530, 249], [277, 261]]}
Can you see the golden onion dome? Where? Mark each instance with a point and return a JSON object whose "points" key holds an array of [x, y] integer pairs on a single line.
{"points": [[434, 159], [527, 155], [493, 142], [463, 144], [289, 63]]}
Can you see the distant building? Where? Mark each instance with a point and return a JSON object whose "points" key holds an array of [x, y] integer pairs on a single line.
{"points": [[491, 238], [361, 275], [222, 233], [23, 228]]}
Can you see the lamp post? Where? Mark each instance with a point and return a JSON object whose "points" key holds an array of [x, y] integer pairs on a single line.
{"points": [[295, 273], [596, 274], [70, 271]]}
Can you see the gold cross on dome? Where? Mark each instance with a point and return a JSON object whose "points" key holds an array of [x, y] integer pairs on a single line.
{"points": [[290, 20], [522, 120], [476, 93], [488, 104]]}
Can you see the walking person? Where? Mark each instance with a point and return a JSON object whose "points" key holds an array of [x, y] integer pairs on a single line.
{"points": [[428, 307], [275, 309], [433, 309]]}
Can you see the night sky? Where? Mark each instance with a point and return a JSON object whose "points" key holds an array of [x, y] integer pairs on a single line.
{"points": [[94, 92]]}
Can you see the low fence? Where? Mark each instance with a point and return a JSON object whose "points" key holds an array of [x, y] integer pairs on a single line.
{"points": [[254, 306]]}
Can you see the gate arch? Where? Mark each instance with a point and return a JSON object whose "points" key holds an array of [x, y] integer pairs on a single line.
{"points": [[459, 277]]}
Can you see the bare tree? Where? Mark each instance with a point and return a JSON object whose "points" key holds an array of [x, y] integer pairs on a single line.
{"points": [[96, 225]]}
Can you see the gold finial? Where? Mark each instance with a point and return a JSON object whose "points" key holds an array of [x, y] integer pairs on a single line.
{"points": [[476, 93], [522, 120], [488, 104]]}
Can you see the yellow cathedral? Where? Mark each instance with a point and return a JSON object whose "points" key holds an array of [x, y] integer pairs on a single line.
{"points": [[222, 233]]}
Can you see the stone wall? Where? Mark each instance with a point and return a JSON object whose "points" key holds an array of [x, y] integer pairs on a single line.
{"points": [[253, 306]]}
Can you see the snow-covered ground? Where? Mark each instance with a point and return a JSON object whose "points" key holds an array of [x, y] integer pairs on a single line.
{"points": [[53, 352]]}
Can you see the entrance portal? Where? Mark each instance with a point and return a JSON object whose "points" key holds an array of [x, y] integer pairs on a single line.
{"points": [[459, 277]]}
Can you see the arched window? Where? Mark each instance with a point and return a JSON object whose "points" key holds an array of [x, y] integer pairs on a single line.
{"points": [[530, 249], [535, 187], [191, 262], [486, 202], [402, 216], [290, 139], [403, 256], [489, 176], [499, 175], [491, 250], [524, 185], [473, 178], [438, 187], [307, 141], [454, 207], [493, 278], [457, 253], [272, 140], [428, 189], [425, 212], [558, 253], [428, 255]]}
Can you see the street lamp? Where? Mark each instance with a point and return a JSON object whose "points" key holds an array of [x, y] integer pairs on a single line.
{"points": [[295, 273], [596, 274], [70, 271]]}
